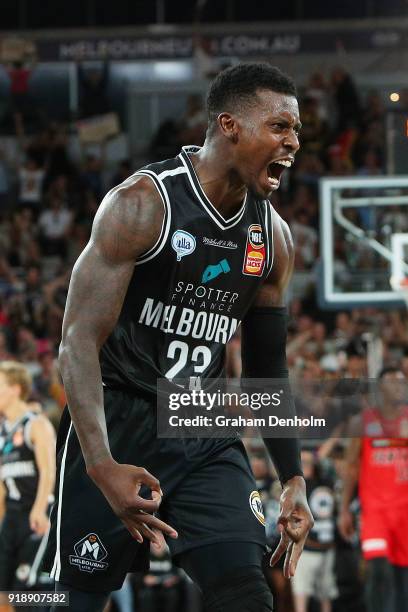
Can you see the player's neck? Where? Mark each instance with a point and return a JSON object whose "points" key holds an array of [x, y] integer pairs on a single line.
{"points": [[15, 411], [219, 182]]}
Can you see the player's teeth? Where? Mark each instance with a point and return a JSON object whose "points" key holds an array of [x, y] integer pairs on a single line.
{"points": [[284, 162], [273, 180]]}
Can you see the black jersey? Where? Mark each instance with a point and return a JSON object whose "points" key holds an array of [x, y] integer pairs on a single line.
{"points": [[18, 468], [190, 291]]}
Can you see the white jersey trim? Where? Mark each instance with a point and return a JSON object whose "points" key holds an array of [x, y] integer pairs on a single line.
{"points": [[32, 576], [27, 431], [56, 568], [268, 245], [222, 223], [165, 228], [272, 242], [165, 173]]}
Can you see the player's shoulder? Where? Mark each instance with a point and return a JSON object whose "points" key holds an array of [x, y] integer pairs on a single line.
{"points": [[39, 424], [133, 188], [147, 181]]}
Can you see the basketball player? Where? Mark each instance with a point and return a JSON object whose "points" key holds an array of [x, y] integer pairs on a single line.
{"points": [[378, 462], [180, 253], [27, 475]]}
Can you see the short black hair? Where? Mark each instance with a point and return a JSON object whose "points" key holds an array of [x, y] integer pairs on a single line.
{"points": [[237, 86], [392, 369]]}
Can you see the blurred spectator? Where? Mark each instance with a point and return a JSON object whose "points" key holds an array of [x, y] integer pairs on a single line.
{"points": [[317, 89], [123, 598], [27, 350], [378, 462], [19, 75], [347, 101], [308, 170], [47, 383], [93, 83], [166, 141], [193, 124], [4, 184], [54, 225], [314, 575], [122, 173], [4, 353], [305, 239], [338, 162], [371, 164], [31, 177], [373, 110], [162, 587], [92, 176], [55, 145], [56, 292], [35, 311], [314, 129], [21, 239]]}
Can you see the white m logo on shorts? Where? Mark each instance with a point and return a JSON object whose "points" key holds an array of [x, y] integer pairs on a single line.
{"points": [[91, 548]]}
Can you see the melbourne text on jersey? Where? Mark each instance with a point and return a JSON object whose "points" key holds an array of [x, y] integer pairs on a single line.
{"points": [[182, 321]]}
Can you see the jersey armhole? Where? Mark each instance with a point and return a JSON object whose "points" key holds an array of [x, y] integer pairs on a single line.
{"points": [[164, 231], [269, 237], [27, 432]]}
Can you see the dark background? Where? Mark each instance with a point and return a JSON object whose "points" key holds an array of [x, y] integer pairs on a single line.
{"points": [[35, 14]]}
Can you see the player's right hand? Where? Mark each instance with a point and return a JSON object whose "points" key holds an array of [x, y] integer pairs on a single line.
{"points": [[120, 484], [345, 523]]}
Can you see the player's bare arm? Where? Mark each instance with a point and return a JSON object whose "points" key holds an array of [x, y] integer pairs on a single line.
{"points": [[295, 519], [127, 224], [43, 440], [345, 521]]}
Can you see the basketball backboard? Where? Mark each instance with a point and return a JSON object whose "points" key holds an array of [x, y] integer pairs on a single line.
{"points": [[358, 218]]}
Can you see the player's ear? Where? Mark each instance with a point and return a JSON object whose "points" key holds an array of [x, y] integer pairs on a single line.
{"points": [[228, 126]]}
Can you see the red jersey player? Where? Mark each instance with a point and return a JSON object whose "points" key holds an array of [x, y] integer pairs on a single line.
{"points": [[378, 461]]}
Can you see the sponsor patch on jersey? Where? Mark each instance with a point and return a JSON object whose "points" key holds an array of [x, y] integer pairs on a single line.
{"points": [[223, 244], [256, 506], [254, 259], [215, 270], [183, 243], [89, 554]]}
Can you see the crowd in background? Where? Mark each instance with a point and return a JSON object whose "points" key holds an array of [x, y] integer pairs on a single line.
{"points": [[47, 205]]}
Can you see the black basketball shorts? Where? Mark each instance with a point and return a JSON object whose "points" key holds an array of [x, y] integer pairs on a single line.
{"points": [[21, 552], [209, 495]]}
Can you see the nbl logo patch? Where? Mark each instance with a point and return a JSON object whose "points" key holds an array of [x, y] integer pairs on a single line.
{"points": [[89, 554], [254, 259]]}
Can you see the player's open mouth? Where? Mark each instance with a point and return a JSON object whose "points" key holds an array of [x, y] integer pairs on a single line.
{"points": [[275, 170]]}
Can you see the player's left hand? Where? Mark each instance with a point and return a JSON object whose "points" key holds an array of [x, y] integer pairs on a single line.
{"points": [[39, 521], [294, 523]]}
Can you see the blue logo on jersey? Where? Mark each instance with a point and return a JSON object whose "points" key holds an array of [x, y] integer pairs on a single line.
{"points": [[183, 243], [212, 272]]}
